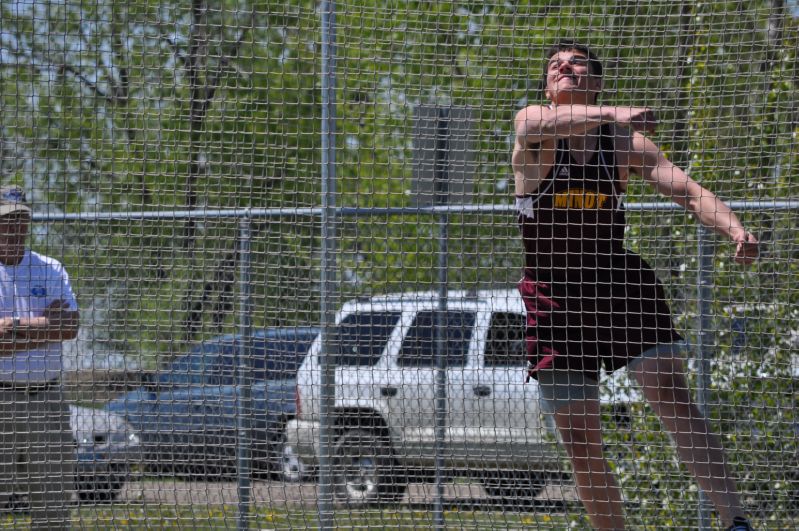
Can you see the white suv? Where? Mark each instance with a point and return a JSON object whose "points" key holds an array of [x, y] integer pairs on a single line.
{"points": [[384, 412]]}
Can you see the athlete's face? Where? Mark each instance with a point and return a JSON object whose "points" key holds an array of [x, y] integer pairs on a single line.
{"points": [[569, 79]]}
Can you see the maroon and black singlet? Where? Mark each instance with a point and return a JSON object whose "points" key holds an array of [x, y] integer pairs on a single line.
{"points": [[590, 302]]}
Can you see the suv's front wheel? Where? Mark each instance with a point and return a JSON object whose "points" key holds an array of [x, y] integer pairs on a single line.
{"points": [[364, 469]]}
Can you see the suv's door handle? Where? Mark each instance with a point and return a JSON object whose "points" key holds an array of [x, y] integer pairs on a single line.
{"points": [[388, 391], [482, 390]]}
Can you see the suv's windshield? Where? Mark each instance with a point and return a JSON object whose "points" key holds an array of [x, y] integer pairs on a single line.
{"points": [[361, 337]]}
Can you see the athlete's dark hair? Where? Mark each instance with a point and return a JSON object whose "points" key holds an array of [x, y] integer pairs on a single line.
{"points": [[594, 64]]}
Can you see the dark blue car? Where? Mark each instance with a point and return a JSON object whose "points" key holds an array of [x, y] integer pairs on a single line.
{"points": [[185, 418]]}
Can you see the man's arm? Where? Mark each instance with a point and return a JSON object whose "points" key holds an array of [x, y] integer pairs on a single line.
{"points": [[538, 123], [647, 159], [58, 323], [537, 127]]}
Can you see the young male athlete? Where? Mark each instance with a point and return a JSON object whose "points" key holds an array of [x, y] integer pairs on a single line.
{"points": [[591, 304]]}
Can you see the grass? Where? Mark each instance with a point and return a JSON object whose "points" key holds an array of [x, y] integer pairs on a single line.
{"points": [[200, 518]]}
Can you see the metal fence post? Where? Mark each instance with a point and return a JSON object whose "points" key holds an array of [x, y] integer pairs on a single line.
{"points": [[705, 252], [441, 372], [441, 198], [244, 403], [328, 285]]}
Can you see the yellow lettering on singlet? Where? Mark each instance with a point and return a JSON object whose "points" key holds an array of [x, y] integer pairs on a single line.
{"points": [[580, 198]]}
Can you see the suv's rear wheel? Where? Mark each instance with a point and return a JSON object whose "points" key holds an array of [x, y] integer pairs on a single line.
{"points": [[513, 488], [364, 469]]}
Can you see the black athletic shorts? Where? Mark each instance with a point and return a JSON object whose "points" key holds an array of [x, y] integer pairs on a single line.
{"points": [[604, 323]]}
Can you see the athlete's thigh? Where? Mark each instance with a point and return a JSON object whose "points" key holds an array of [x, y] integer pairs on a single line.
{"points": [[579, 423], [662, 379]]}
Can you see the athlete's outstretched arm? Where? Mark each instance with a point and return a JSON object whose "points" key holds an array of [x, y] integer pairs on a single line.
{"points": [[673, 182], [538, 123], [537, 128]]}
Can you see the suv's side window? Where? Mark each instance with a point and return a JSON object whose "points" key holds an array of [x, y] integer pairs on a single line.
{"points": [[505, 345], [419, 346], [361, 337]]}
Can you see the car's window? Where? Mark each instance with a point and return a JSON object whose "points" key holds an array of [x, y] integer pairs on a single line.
{"points": [[271, 359], [361, 337], [283, 358], [215, 362], [176, 373], [505, 345], [191, 369], [419, 345], [225, 367]]}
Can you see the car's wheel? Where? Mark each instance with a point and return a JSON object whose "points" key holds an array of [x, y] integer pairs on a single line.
{"points": [[97, 489], [513, 488], [275, 460], [364, 469], [292, 468]]}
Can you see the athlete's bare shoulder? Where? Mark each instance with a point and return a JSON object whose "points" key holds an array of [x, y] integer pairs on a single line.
{"points": [[529, 118], [533, 153], [528, 124]]}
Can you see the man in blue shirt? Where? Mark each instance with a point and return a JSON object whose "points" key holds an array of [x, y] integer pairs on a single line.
{"points": [[38, 312]]}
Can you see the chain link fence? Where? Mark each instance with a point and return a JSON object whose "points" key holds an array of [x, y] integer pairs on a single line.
{"points": [[290, 232], [161, 434]]}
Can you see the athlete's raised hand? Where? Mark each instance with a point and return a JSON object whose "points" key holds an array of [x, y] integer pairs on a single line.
{"points": [[641, 119], [747, 249]]}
